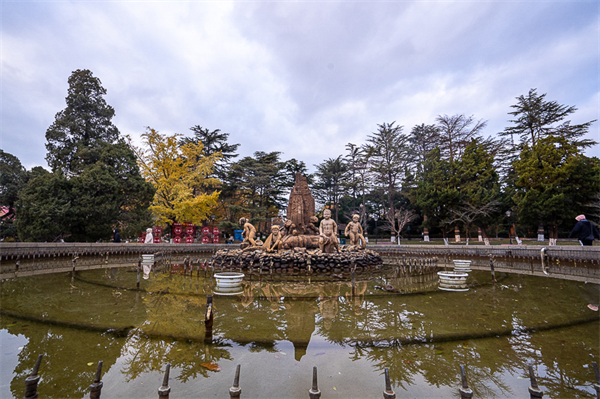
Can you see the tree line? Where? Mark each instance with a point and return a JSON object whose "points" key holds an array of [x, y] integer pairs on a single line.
{"points": [[431, 179]]}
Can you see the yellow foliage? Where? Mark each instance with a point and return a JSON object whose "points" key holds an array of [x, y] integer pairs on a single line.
{"points": [[180, 176]]}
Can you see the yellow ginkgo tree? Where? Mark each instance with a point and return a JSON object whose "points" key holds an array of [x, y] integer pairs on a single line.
{"points": [[180, 175]]}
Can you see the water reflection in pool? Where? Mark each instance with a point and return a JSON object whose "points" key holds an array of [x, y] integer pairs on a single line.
{"points": [[281, 327]]}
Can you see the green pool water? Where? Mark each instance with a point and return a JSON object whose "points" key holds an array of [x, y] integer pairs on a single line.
{"points": [[279, 327]]}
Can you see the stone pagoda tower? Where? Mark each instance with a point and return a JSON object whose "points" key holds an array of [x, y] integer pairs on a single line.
{"points": [[301, 205]]}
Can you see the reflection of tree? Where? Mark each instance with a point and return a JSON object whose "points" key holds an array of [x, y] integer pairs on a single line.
{"points": [[67, 351], [401, 332], [408, 334], [145, 355], [566, 358]]}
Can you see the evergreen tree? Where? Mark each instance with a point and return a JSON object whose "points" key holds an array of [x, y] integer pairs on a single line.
{"points": [[13, 177], [260, 183], [423, 138], [388, 154], [555, 183], [357, 182], [76, 137], [478, 186], [331, 177], [44, 207], [436, 192], [214, 142], [536, 118], [455, 133], [96, 168]]}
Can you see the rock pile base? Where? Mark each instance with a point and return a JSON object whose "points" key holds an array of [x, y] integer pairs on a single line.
{"points": [[298, 259]]}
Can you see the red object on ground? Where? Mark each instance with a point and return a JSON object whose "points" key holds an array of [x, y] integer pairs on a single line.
{"points": [[156, 240], [216, 239], [205, 240], [177, 240], [189, 240]]}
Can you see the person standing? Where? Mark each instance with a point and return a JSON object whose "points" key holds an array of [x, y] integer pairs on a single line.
{"points": [[585, 231], [116, 235]]}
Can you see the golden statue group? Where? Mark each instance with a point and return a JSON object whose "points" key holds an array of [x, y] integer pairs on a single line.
{"points": [[300, 230], [300, 242]]}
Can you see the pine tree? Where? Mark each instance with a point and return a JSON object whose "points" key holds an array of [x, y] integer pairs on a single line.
{"points": [[75, 138]]}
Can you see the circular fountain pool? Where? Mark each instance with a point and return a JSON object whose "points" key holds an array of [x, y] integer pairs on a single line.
{"points": [[279, 326]]}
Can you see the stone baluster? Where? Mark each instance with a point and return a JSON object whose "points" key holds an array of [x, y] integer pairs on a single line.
{"points": [[31, 382], [388, 393], [314, 392], [465, 391], [165, 389], [597, 384], [235, 391], [96, 387], [534, 391]]}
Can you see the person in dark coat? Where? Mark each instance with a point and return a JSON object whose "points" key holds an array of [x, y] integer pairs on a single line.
{"points": [[585, 231], [116, 235]]}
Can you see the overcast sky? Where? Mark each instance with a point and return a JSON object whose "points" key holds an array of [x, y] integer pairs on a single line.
{"points": [[303, 77]]}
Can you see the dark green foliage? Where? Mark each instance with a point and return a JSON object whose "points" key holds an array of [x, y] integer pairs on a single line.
{"points": [[95, 184], [331, 177], [44, 207], [536, 118], [436, 193], [13, 178], [78, 130], [455, 133], [387, 152], [259, 182], [423, 138], [213, 142], [478, 186], [555, 183]]}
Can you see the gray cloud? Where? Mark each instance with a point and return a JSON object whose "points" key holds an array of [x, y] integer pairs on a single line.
{"points": [[304, 78]]}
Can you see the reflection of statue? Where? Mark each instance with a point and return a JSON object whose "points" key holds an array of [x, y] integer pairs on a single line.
{"points": [[149, 238], [328, 241], [248, 233], [274, 241], [355, 231], [328, 304]]}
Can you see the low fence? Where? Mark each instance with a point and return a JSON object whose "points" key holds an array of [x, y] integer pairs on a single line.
{"points": [[40, 258], [164, 391]]}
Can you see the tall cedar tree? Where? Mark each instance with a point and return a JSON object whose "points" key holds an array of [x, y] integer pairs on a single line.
{"points": [[387, 152], [436, 192], [536, 118], [331, 177], [261, 184], [478, 186], [555, 183], [95, 167]]}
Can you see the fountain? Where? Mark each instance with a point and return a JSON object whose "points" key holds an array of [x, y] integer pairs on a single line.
{"points": [[299, 245]]}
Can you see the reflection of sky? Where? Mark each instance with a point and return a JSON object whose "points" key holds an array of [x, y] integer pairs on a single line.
{"points": [[9, 349]]}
